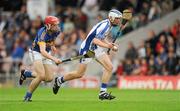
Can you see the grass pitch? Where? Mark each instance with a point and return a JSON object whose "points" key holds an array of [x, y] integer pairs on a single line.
{"points": [[87, 100]]}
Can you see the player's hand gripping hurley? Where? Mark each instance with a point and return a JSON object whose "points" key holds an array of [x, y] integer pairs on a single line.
{"points": [[89, 54]]}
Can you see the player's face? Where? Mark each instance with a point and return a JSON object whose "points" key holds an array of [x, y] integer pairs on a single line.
{"points": [[55, 27], [116, 21]]}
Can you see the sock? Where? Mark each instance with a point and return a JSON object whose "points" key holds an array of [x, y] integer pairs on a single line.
{"points": [[28, 74], [103, 87], [60, 80], [28, 95]]}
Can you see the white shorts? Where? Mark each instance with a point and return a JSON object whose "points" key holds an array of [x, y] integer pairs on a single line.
{"points": [[98, 53], [34, 56]]}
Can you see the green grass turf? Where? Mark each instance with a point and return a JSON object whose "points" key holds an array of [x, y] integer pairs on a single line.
{"points": [[87, 100]]}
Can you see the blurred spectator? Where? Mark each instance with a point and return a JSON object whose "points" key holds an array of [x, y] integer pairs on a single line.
{"points": [[90, 8], [148, 51], [120, 68], [151, 41], [137, 67], [73, 38], [68, 26], [81, 37], [155, 11], [144, 67], [175, 29], [171, 64], [21, 15], [128, 67], [18, 50], [37, 23], [166, 32], [170, 42], [142, 20], [81, 20], [178, 47], [131, 52], [162, 55], [167, 6], [178, 67], [159, 66], [145, 7], [142, 50], [152, 67], [9, 41], [69, 13], [3, 53], [161, 44]]}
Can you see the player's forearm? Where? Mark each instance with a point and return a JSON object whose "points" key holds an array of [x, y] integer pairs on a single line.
{"points": [[105, 41], [53, 48], [123, 26], [43, 51], [47, 55], [101, 43]]}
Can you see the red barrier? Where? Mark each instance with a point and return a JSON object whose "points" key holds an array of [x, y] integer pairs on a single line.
{"points": [[149, 82]]}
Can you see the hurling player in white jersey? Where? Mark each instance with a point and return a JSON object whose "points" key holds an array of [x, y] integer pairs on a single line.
{"points": [[95, 41]]}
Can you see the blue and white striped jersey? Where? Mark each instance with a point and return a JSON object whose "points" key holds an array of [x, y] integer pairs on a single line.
{"points": [[98, 31]]}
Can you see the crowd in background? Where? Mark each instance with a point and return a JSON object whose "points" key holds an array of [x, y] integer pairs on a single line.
{"points": [[77, 17], [159, 54]]}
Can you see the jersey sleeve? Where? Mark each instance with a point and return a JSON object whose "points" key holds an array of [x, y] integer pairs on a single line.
{"points": [[100, 31], [41, 36]]}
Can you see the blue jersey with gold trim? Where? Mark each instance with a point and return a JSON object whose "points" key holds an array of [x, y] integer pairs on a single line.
{"points": [[43, 36]]}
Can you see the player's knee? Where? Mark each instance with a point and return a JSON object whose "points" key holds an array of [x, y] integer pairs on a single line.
{"points": [[49, 79], [42, 77], [110, 68], [80, 75]]}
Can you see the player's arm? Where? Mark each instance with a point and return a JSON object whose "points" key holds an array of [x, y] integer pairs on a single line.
{"points": [[42, 46], [53, 48], [102, 44], [105, 41], [105, 44], [123, 26]]}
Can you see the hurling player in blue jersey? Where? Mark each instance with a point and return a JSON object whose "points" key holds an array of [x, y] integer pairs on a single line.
{"points": [[95, 41], [40, 54]]}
